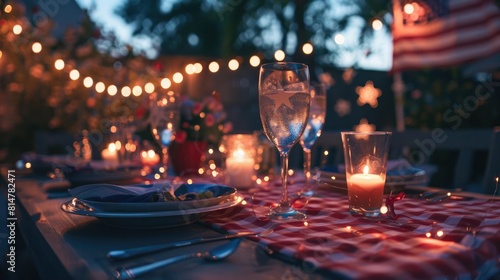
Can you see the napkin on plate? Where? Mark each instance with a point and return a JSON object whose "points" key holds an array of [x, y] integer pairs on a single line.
{"points": [[115, 193]]}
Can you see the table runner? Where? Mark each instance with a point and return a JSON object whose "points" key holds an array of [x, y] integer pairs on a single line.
{"points": [[449, 239]]}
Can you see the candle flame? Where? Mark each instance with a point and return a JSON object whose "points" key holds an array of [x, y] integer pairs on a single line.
{"points": [[365, 170], [239, 153], [151, 153], [112, 147]]}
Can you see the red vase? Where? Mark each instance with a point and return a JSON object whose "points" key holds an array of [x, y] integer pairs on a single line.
{"points": [[186, 157]]}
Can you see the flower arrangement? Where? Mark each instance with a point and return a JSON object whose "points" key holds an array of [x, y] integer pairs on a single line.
{"points": [[203, 121]]}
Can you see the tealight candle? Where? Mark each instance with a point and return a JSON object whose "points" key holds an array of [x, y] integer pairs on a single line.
{"points": [[110, 156], [365, 156], [150, 158], [240, 169], [365, 190]]}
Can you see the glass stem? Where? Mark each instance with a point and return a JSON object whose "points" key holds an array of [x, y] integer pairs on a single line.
{"points": [[307, 167], [164, 151], [284, 176]]}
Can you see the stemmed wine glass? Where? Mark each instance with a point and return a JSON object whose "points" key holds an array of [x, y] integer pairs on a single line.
{"points": [[284, 104], [164, 120], [313, 128]]}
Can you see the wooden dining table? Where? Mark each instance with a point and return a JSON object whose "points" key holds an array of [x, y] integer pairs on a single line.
{"points": [[452, 238]]}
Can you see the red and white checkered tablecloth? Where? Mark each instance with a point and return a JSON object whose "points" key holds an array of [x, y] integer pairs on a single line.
{"points": [[445, 240]]}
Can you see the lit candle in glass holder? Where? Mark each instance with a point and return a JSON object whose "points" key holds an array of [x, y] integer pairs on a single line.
{"points": [[110, 156], [365, 156], [149, 158], [240, 169]]}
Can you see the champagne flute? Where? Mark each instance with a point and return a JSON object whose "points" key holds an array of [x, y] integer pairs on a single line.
{"points": [[313, 128], [284, 104], [164, 120]]}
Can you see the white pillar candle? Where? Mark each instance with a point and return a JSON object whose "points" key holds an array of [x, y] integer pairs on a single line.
{"points": [[240, 169], [110, 156]]}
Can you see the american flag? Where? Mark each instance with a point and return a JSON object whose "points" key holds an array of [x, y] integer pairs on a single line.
{"points": [[441, 33]]}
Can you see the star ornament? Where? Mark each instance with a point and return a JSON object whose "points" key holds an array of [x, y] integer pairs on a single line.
{"points": [[368, 94], [282, 97]]}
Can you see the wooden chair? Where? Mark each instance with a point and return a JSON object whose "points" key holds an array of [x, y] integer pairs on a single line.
{"points": [[467, 145]]}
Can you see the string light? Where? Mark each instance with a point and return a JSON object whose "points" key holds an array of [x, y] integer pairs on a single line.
{"points": [[36, 47], [17, 29], [88, 82], [112, 90], [254, 61], [100, 87], [189, 69], [137, 91], [74, 74], [165, 83], [233, 64], [198, 68], [149, 88], [126, 91], [177, 78], [307, 48], [59, 64], [7, 9], [279, 55], [1, 54], [213, 67]]}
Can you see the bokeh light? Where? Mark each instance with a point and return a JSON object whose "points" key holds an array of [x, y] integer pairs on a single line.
{"points": [[112, 90], [254, 61], [59, 64], [279, 55], [307, 48], [339, 39], [213, 67], [149, 87], [126, 91], [165, 83], [74, 74], [177, 78], [36, 47], [233, 64]]}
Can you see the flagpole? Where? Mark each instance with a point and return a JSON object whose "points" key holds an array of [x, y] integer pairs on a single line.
{"points": [[398, 87]]}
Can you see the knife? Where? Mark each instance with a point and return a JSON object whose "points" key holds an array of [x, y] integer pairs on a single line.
{"points": [[139, 251]]}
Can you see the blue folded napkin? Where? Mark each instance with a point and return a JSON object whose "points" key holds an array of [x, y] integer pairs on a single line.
{"points": [[115, 193]]}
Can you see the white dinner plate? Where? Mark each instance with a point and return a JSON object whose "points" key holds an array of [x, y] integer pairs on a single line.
{"points": [[146, 220]]}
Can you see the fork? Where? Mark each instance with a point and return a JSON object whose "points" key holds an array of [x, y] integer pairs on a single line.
{"points": [[139, 251]]}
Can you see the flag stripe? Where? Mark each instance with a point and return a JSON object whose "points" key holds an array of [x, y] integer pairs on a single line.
{"points": [[457, 57], [470, 31], [448, 40]]}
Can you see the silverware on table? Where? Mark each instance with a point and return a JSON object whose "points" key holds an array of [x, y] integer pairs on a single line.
{"points": [[216, 254], [139, 251]]}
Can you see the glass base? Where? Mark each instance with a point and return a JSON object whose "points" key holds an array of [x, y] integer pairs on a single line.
{"points": [[365, 212], [285, 213]]}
